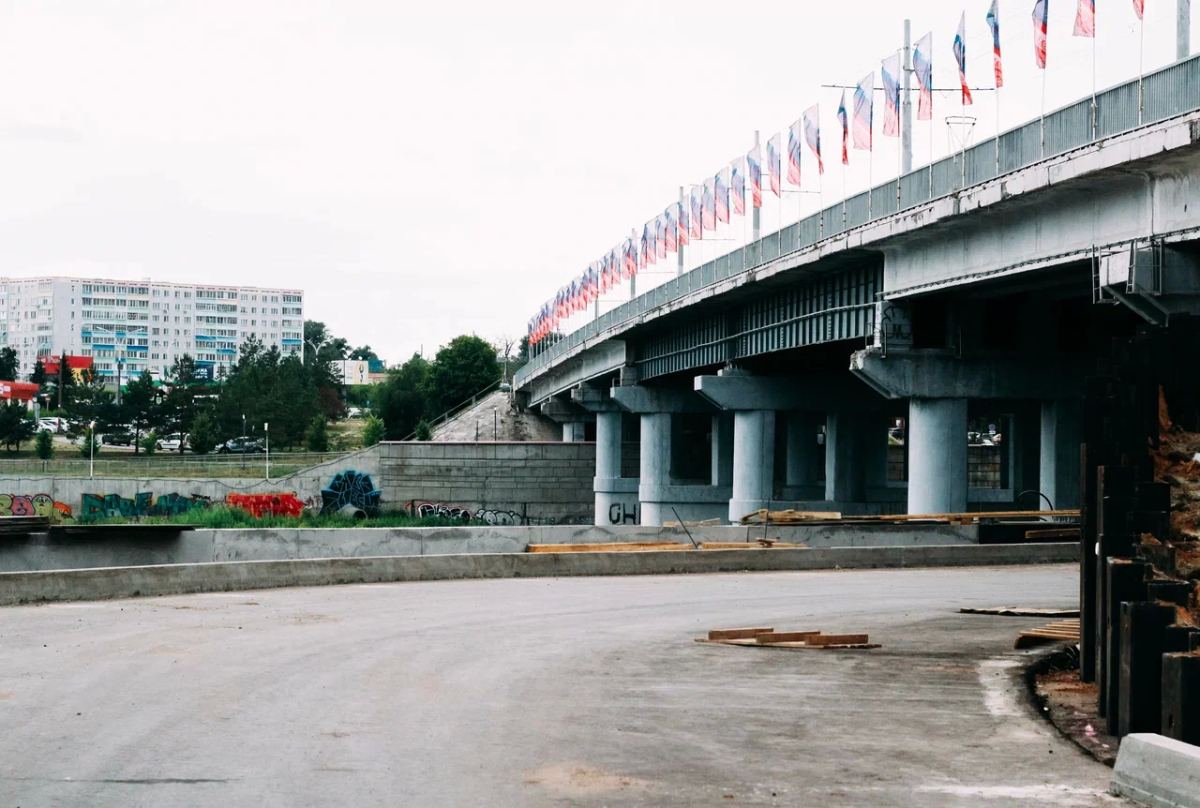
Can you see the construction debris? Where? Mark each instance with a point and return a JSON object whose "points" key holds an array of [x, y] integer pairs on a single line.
{"points": [[788, 640], [763, 516], [611, 547], [749, 545], [701, 523], [789, 517], [1020, 611], [1062, 631]]}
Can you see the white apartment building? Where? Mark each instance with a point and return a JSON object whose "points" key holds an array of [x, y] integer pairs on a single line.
{"points": [[144, 326]]}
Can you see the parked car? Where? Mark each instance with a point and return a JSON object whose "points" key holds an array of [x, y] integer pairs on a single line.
{"points": [[171, 443], [117, 438], [54, 425], [354, 412], [242, 445]]}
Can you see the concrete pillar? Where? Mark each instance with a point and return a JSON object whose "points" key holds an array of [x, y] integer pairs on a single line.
{"points": [[1062, 429], [803, 451], [937, 455], [722, 449], [616, 498], [845, 467], [753, 461], [574, 431], [656, 448]]}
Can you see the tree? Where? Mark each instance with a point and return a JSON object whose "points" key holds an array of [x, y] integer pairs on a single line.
{"points": [[150, 443], [90, 402], [504, 345], [372, 431], [523, 353], [423, 431], [363, 354], [201, 439], [44, 448], [179, 405], [16, 425], [316, 437], [321, 351], [140, 407], [460, 370], [9, 364], [90, 447], [401, 401], [64, 381], [38, 377]]}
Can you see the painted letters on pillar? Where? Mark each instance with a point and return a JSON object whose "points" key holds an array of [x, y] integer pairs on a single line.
{"points": [[142, 504]]}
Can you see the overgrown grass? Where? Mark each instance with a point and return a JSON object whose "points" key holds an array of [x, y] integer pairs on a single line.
{"points": [[224, 517]]}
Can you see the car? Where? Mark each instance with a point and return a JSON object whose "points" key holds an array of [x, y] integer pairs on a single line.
{"points": [[354, 412], [171, 443], [54, 425], [118, 438], [242, 445]]}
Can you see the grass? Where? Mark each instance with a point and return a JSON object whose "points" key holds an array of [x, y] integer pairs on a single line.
{"points": [[222, 517]]}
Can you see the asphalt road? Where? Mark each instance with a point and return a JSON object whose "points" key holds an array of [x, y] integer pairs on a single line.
{"points": [[581, 692]]}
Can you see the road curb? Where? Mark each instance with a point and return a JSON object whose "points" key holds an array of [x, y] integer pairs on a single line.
{"points": [[176, 579], [1158, 771]]}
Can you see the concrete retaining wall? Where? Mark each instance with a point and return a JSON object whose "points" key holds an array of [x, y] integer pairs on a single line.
{"points": [[115, 582], [41, 552]]}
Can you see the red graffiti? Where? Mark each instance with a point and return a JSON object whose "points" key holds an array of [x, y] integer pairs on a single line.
{"points": [[260, 505]]}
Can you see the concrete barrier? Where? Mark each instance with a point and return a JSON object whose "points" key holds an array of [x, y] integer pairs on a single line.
{"points": [[1157, 771], [173, 579], [43, 552]]}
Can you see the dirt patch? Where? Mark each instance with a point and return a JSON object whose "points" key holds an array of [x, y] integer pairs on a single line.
{"points": [[1070, 705], [308, 619], [574, 779]]}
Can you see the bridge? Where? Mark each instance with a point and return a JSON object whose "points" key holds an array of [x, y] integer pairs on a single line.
{"points": [[920, 347]]}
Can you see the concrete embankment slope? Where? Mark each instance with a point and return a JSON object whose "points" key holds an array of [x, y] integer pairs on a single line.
{"points": [[172, 579]]}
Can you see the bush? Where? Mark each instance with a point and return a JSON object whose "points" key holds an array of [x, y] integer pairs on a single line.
{"points": [[202, 438], [372, 431], [150, 443], [90, 445], [45, 445], [316, 438], [423, 431]]}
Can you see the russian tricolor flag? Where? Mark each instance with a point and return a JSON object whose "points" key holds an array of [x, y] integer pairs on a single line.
{"points": [[891, 96]]}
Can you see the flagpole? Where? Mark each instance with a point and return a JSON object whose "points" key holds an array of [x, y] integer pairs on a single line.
{"points": [[1094, 79]]}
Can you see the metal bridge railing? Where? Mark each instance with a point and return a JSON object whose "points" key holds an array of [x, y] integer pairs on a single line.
{"points": [[1168, 92]]}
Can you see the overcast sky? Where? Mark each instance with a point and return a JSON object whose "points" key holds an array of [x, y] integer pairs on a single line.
{"points": [[425, 169]]}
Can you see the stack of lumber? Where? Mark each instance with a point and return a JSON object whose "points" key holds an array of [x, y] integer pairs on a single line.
{"points": [[767, 637], [764, 516], [1062, 631], [23, 524]]}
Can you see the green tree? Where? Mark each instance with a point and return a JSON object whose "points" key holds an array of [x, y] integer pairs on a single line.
{"points": [[9, 364], [38, 377], [140, 407], [316, 437], [90, 402], [179, 404], [363, 354], [323, 354], [201, 439], [44, 448], [372, 431], [90, 446], [63, 382], [423, 431], [150, 442], [16, 425], [460, 370], [401, 401]]}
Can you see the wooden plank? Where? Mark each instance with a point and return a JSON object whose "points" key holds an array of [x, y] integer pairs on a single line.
{"points": [[737, 633], [839, 639], [612, 547], [1019, 611], [703, 523], [785, 636], [947, 517], [792, 646], [1058, 533], [748, 545], [788, 516]]}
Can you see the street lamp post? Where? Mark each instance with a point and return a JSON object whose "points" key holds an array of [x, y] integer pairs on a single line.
{"points": [[267, 435], [92, 450], [243, 439]]}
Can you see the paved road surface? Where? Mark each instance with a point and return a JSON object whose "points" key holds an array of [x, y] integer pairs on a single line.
{"points": [[581, 692]]}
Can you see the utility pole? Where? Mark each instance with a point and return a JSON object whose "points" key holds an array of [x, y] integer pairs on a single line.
{"points": [[756, 219], [1183, 29], [906, 130]]}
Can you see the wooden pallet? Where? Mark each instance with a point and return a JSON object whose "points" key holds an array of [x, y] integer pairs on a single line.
{"points": [[787, 640], [1062, 631]]}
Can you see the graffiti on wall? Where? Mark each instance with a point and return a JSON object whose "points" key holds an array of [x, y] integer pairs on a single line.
{"points": [[489, 516], [142, 504], [621, 514], [350, 488], [35, 505], [260, 505]]}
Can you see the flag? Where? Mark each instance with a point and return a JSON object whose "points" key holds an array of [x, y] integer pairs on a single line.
{"points": [[1085, 19], [993, 21], [650, 243], [1041, 11], [845, 122], [794, 138], [773, 168], [754, 163], [960, 55], [737, 187], [923, 70], [891, 96], [709, 205], [660, 236], [685, 222], [812, 133], [864, 113], [629, 268], [670, 228], [1139, 8], [721, 194], [697, 214], [644, 253]]}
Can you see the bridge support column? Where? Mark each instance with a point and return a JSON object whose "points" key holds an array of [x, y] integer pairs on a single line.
{"points": [[655, 463], [1059, 468], [845, 462], [753, 462], [574, 432], [616, 496], [804, 455], [937, 455], [722, 449]]}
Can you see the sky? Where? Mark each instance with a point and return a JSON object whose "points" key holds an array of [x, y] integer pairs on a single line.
{"points": [[423, 170]]}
